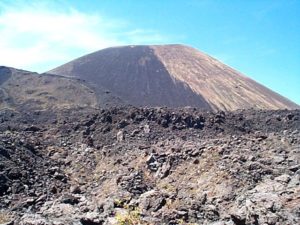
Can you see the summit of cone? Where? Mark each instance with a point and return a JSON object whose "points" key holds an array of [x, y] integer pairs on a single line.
{"points": [[170, 75]]}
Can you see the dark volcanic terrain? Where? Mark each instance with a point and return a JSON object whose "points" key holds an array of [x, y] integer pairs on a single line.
{"points": [[149, 166], [92, 142]]}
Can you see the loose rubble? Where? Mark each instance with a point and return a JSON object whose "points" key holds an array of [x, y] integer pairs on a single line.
{"points": [[149, 166]]}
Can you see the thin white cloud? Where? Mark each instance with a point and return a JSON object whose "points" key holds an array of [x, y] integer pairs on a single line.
{"points": [[40, 36]]}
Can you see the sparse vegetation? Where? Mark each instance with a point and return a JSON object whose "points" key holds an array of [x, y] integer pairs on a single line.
{"points": [[168, 187], [121, 203], [131, 217], [4, 217]]}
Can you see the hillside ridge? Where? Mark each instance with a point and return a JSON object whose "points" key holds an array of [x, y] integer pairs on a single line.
{"points": [[171, 75]]}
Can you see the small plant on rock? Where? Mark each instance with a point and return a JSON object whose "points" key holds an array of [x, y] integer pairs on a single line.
{"points": [[4, 218], [132, 217]]}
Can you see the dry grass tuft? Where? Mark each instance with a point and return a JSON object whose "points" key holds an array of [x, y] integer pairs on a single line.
{"points": [[132, 217], [4, 217]]}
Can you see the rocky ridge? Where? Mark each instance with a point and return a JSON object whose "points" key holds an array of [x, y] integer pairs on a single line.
{"points": [[26, 91]]}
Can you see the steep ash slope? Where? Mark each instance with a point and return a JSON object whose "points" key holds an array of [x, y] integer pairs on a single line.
{"points": [[224, 87], [134, 74], [171, 75]]}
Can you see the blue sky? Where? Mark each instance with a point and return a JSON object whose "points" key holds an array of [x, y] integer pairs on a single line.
{"points": [[260, 38]]}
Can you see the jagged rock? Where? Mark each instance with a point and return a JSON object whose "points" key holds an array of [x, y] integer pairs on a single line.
{"points": [[32, 128], [4, 152], [285, 178], [152, 164], [75, 189], [3, 184], [151, 201], [164, 170], [239, 168], [120, 136], [70, 199], [122, 124], [147, 129], [134, 183], [35, 219], [7, 222], [91, 218], [135, 132]]}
